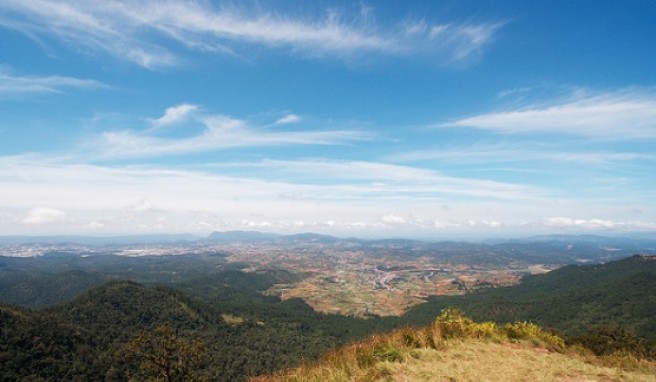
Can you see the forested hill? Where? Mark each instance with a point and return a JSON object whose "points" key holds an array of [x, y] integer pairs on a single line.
{"points": [[572, 299], [101, 334]]}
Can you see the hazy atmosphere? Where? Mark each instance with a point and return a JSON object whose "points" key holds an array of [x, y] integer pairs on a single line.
{"points": [[372, 118]]}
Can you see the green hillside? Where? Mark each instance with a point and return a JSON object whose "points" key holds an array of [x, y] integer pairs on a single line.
{"points": [[572, 299], [58, 277], [240, 334]]}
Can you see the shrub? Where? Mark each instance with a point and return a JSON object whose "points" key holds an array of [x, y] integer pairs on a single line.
{"points": [[452, 323], [485, 330], [531, 332]]}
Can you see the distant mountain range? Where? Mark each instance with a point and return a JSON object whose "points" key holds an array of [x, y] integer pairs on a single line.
{"points": [[638, 241], [261, 237], [241, 236], [548, 249], [99, 241], [623, 242]]}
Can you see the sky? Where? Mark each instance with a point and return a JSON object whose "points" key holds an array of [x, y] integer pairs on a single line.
{"points": [[430, 119]]}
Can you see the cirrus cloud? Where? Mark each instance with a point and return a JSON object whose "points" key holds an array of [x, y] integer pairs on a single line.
{"points": [[220, 132], [142, 32], [624, 114], [15, 84]]}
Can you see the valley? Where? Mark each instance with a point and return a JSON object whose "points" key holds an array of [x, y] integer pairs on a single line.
{"points": [[353, 282], [349, 276]]}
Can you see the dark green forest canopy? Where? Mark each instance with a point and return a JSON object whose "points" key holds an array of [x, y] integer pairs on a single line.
{"points": [[84, 338]]}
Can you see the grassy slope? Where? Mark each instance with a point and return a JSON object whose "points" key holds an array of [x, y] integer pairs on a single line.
{"points": [[454, 348], [476, 360]]}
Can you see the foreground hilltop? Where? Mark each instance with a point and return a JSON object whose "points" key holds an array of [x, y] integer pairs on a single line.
{"points": [[454, 348]]}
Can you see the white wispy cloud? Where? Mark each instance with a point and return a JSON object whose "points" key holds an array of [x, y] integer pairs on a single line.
{"points": [[175, 114], [530, 152], [220, 132], [289, 118], [139, 31], [361, 179], [14, 84], [91, 26], [625, 114], [290, 181]]}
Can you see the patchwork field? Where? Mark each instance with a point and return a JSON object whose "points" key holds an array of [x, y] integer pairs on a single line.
{"points": [[362, 283]]}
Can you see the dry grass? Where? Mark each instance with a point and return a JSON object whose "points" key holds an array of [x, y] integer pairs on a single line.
{"points": [[455, 348], [465, 360], [471, 360]]}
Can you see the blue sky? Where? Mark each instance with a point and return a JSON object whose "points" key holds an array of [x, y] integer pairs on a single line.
{"points": [[382, 118]]}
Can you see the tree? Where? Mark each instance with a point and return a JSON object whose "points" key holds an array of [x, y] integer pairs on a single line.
{"points": [[162, 355]]}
